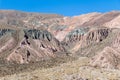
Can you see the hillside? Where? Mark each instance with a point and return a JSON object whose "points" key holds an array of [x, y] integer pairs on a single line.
{"points": [[39, 45]]}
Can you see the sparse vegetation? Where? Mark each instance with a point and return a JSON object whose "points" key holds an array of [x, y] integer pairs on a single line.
{"points": [[13, 68], [74, 69]]}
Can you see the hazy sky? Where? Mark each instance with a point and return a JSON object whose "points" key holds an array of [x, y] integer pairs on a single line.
{"points": [[63, 7]]}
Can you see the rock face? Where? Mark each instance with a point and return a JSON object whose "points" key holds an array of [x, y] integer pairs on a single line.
{"points": [[109, 57], [96, 35], [74, 37], [7, 42], [5, 31], [30, 45], [82, 38]]}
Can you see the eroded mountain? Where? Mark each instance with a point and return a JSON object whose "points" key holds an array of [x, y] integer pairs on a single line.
{"points": [[28, 45], [26, 37]]}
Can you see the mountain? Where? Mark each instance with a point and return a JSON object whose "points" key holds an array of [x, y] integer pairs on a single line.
{"points": [[30, 40], [69, 24], [58, 24]]}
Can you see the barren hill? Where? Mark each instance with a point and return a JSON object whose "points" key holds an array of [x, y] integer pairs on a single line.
{"points": [[28, 40], [24, 46]]}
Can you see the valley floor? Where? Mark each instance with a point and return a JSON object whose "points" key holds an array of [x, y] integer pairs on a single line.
{"points": [[73, 70]]}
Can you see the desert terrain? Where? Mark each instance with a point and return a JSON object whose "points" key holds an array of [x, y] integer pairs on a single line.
{"points": [[37, 46]]}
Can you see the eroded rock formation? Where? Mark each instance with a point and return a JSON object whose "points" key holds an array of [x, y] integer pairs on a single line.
{"points": [[32, 45], [24, 37], [82, 38], [109, 57]]}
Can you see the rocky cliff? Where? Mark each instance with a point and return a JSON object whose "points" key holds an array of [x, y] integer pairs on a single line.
{"points": [[27, 45], [84, 38]]}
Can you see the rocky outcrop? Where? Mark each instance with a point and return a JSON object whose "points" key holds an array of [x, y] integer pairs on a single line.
{"points": [[74, 37], [90, 36], [5, 31], [85, 37], [7, 41], [32, 45], [109, 57], [96, 35]]}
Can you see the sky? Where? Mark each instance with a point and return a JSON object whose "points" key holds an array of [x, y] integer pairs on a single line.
{"points": [[63, 7]]}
